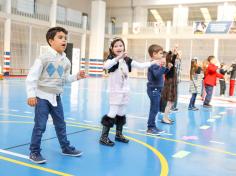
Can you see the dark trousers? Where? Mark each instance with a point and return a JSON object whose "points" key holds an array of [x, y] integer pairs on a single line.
{"points": [[209, 91], [154, 95], [42, 110], [222, 87], [192, 100]]}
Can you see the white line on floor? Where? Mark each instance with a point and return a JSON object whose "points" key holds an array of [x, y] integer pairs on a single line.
{"points": [[14, 154], [167, 134], [88, 121], [217, 142], [71, 119], [14, 110], [136, 117]]}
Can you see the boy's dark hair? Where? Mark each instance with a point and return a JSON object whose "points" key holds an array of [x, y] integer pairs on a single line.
{"points": [[52, 32], [154, 48], [210, 58]]}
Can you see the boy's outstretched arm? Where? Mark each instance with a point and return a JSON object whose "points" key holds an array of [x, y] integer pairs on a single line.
{"points": [[81, 75]]}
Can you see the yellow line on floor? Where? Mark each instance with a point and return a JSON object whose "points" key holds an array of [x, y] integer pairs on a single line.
{"points": [[163, 161], [142, 134], [34, 166]]}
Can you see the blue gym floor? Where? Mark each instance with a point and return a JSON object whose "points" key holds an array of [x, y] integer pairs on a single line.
{"points": [[200, 143]]}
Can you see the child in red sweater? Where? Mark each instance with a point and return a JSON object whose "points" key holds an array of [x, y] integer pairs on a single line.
{"points": [[210, 80]]}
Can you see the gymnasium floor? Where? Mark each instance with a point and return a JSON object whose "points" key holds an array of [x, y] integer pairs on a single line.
{"points": [[200, 143]]}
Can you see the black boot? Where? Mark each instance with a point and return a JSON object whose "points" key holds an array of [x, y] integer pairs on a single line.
{"points": [[107, 123], [120, 122]]}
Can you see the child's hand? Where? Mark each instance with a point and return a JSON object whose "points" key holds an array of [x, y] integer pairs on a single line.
{"points": [[170, 65], [32, 101], [175, 50], [179, 52], [163, 61], [121, 56], [81, 75], [157, 62]]}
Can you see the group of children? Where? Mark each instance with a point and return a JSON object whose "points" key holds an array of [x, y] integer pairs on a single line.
{"points": [[203, 80], [51, 71]]}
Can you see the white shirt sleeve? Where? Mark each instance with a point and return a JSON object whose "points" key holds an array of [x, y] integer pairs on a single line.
{"points": [[71, 78], [140, 65], [68, 77], [109, 63], [32, 78]]}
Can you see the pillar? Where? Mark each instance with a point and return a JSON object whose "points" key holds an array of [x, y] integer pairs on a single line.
{"points": [[53, 13], [97, 34], [7, 40], [180, 16]]}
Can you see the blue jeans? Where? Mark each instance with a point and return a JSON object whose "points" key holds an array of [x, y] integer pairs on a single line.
{"points": [[192, 100], [209, 91], [42, 110], [154, 95]]}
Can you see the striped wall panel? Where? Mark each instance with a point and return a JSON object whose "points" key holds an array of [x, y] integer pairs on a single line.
{"points": [[6, 65]]}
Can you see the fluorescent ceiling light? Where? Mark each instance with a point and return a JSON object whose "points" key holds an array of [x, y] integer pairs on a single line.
{"points": [[156, 15], [206, 14]]}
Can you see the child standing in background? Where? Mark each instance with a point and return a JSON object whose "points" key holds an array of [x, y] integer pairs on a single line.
{"points": [[118, 66], [44, 85], [210, 80], [155, 85], [195, 83], [222, 71]]}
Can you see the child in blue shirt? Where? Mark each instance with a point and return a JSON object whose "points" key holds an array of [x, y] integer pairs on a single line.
{"points": [[155, 85]]}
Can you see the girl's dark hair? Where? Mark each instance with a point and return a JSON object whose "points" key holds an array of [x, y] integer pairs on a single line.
{"points": [[154, 48], [113, 43], [168, 58], [51, 33]]}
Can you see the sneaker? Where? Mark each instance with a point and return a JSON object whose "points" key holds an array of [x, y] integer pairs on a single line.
{"points": [[174, 109], [160, 131], [195, 109], [155, 131], [71, 151], [207, 106], [37, 158], [106, 141]]}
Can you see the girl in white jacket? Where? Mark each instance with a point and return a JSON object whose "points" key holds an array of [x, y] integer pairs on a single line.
{"points": [[118, 65]]}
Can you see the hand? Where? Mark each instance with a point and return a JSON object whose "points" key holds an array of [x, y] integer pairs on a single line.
{"points": [[163, 61], [122, 55], [175, 50], [170, 65], [179, 52], [32, 101], [157, 62], [81, 75]]}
